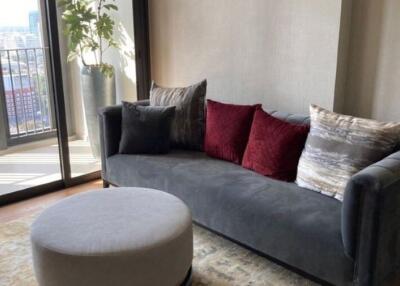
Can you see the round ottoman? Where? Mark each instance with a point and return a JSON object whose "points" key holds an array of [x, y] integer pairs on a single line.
{"points": [[123, 236]]}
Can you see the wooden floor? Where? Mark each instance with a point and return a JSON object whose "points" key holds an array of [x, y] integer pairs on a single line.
{"points": [[29, 165], [27, 207]]}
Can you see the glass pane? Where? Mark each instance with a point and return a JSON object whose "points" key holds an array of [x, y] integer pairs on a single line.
{"points": [[28, 145]]}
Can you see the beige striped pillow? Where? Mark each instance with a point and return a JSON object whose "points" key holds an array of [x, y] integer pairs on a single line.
{"points": [[339, 146], [188, 125]]}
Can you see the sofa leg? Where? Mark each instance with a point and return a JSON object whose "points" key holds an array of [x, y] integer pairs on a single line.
{"points": [[188, 278], [106, 184]]}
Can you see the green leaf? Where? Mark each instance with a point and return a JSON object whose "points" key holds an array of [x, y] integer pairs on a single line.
{"points": [[62, 3], [86, 30], [111, 7], [107, 70]]}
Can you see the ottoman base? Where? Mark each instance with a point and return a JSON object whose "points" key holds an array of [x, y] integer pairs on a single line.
{"points": [[188, 278]]}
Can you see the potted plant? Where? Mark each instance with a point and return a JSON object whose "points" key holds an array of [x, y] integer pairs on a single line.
{"points": [[90, 29]]}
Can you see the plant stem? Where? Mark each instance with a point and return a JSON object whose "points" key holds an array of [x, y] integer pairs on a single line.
{"points": [[94, 52], [100, 38], [82, 56]]}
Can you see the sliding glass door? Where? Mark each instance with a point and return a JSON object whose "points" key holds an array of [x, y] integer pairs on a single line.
{"points": [[46, 136], [29, 153], [86, 89]]}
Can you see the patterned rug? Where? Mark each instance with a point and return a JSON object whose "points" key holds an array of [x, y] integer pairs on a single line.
{"points": [[217, 261]]}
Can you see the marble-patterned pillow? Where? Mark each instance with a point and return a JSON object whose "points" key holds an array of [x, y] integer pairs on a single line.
{"points": [[339, 146], [187, 129]]}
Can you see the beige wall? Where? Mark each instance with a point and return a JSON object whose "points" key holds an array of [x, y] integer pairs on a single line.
{"points": [[123, 61], [373, 80], [280, 53]]}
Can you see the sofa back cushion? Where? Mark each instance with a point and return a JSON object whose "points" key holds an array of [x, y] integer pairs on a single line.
{"points": [[339, 146], [187, 131], [274, 146], [227, 130], [290, 117]]}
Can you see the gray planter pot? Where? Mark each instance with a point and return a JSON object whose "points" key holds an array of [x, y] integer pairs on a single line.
{"points": [[97, 91]]}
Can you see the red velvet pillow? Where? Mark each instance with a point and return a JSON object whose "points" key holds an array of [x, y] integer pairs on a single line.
{"points": [[227, 130], [274, 147]]}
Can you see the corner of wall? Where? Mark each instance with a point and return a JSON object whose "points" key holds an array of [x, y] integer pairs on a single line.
{"points": [[343, 56]]}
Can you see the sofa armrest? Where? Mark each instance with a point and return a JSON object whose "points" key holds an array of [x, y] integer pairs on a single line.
{"points": [[110, 131], [371, 221], [110, 134]]}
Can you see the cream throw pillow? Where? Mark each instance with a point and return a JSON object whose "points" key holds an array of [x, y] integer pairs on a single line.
{"points": [[339, 146]]}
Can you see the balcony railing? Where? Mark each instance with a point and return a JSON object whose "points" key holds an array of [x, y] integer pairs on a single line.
{"points": [[26, 93]]}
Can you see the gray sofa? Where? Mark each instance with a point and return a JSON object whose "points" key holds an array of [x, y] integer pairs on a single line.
{"points": [[356, 242]]}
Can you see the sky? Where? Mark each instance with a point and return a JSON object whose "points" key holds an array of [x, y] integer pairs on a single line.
{"points": [[16, 12]]}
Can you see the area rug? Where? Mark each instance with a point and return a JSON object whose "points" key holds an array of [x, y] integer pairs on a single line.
{"points": [[217, 261]]}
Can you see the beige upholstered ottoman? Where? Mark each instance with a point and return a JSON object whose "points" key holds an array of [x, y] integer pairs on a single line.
{"points": [[123, 236]]}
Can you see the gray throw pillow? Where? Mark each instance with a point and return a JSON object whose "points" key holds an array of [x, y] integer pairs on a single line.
{"points": [[338, 146], [145, 129], [187, 129]]}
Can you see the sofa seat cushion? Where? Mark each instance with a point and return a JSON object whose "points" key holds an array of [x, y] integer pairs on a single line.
{"points": [[294, 225]]}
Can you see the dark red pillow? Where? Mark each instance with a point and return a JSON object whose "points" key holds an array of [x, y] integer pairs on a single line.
{"points": [[274, 146], [227, 130]]}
